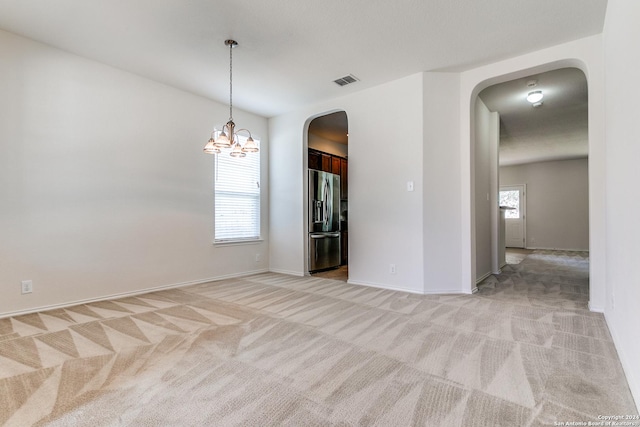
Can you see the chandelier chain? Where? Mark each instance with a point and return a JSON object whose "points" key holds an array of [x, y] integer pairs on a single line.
{"points": [[231, 82]]}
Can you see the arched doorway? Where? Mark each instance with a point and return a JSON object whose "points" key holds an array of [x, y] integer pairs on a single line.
{"points": [[535, 150], [326, 213], [589, 62]]}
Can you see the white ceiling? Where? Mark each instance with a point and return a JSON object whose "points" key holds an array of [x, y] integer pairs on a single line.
{"points": [[557, 130], [291, 51]]}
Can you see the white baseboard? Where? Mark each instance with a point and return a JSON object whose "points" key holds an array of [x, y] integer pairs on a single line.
{"points": [[629, 364], [129, 294], [555, 249], [287, 272], [411, 291], [595, 309], [382, 286], [484, 276], [449, 292]]}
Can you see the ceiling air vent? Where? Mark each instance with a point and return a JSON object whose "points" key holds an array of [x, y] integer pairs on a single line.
{"points": [[342, 81]]}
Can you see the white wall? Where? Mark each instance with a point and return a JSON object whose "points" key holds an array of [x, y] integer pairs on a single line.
{"points": [[557, 202], [385, 220], [441, 182], [485, 164], [587, 55], [622, 56], [103, 183]]}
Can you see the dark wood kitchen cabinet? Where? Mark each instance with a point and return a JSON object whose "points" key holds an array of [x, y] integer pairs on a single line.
{"points": [[320, 161], [344, 182], [326, 162], [315, 160], [335, 165]]}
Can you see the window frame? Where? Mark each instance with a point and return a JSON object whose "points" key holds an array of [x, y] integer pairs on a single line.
{"points": [[227, 186]]}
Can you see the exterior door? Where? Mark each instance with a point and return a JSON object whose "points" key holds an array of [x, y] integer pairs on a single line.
{"points": [[513, 196]]}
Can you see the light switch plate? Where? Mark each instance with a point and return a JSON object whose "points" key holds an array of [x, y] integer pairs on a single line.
{"points": [[409, 185]]}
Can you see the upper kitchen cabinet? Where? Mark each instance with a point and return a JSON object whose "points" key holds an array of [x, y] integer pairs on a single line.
{"points": [[335, 165], [319, 161], [344, 182]]}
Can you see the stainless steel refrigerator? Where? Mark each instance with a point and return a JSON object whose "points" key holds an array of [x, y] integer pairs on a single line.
{"points": [[324, 220]]}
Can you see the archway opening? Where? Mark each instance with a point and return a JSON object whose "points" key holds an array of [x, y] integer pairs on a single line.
{"points": [[538, 149], [327, 246]]}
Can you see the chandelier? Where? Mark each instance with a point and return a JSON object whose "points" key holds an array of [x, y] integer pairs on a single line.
{"points": [[228, 136]]}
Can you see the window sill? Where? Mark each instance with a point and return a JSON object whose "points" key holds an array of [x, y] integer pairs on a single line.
{"points": [[223, 243]]}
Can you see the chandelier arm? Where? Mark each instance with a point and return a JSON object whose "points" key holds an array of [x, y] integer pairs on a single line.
{"points": [[246, 130]]}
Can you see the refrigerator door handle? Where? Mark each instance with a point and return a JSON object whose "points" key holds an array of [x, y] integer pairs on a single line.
{"points": [[326, 197], [323, 235]]}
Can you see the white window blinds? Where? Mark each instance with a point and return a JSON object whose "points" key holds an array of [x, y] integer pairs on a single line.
{"points": [[237, 197]]}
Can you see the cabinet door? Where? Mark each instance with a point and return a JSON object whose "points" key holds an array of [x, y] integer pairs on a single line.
{"points": [[344, 182], [314, 160], [335, 165], [326, 162]]}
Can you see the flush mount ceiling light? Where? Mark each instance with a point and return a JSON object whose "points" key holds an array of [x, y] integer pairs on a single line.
{"points": [[535, 96], [228, 136]]}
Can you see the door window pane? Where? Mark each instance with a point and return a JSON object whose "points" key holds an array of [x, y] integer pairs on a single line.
{"points": [[511, 198]]}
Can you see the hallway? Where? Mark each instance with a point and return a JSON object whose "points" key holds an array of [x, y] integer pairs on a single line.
{"points": [[553, 279]]}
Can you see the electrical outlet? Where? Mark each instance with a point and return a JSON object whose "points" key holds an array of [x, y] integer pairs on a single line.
{"points": [[392, 268], [27, 286], [258, 258]]}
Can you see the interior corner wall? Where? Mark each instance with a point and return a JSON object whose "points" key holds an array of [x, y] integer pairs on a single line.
{"points": [[557, 202], [385, 220], [621, 33], [105, 189], [482, 177], [587, 55]]}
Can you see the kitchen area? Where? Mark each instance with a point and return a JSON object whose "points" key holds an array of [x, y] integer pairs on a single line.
{"points": [[328, 194]]}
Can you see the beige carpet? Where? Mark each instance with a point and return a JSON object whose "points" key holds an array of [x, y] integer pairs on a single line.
{"points": [[272, 350], [516, 255]]}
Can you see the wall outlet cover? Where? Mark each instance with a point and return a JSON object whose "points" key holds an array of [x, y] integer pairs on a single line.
{"points": [[27, 286]]}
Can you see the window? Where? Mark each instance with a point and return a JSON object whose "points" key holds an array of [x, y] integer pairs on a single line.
{"points": [[237, 197]]}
